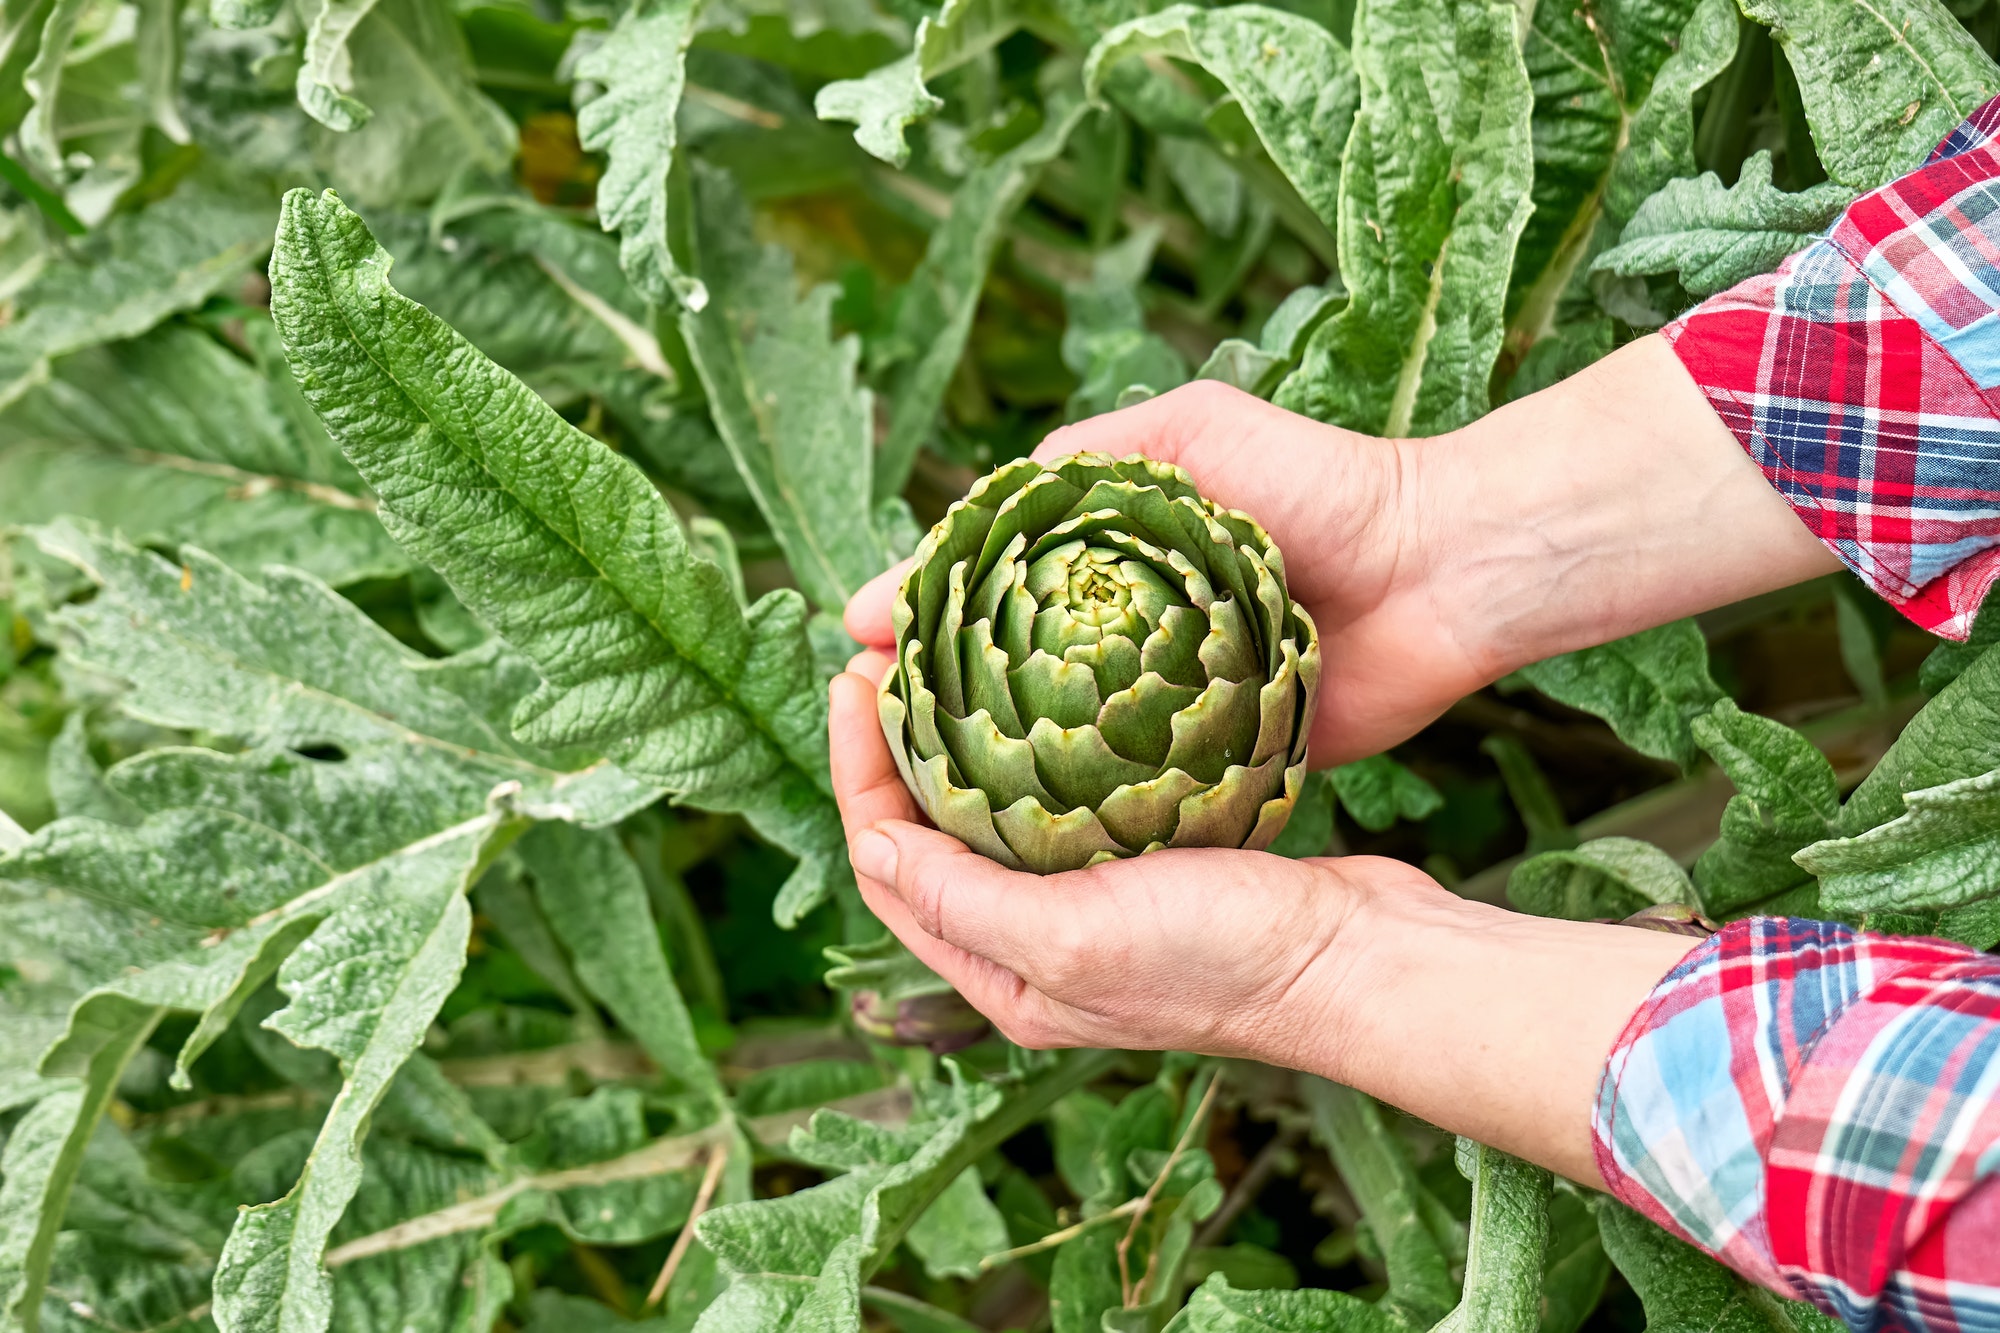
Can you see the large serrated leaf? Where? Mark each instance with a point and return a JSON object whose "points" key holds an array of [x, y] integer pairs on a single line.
{"points": [[1685, 1291], [1613, 89], [1649, 686], [364, 988], [1434, 191], [641, 644], [290, 662], [174, 438], [884, 103], [783, 395], [635, 74], [1714, 237], [1944, 853], [1291, 77], [1882, 80], [147, 266], [1605, 877]]}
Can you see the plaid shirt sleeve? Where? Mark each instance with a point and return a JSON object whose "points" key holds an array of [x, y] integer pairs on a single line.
{"points": [[1820, 1109], [1864, 378]]}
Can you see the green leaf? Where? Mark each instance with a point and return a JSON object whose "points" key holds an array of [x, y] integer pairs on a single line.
{"points": [[1684, 1291], [1944, 853], [1377, 1171], [364, 988], [429, 120], [1105, 341], [629, 93], [591, 894], [1578, 1267], [959, 1230], [325, 66], [1788, 797], [147, 266], [1377, 791], [1882, 80], [1534, 800], [177, 439], [1660, 139], [1596, 73], [641, 645], [1291, 78], [289, 662], [1948, 661], [1508, 1244], [1714, 237], [1258, 367], [43, 79], [782, 392], [934, 312], [1792, 783], [1648, 686], [1217, 1307], [1434, 191], [885, 102], [39, 1167], [1084, 1286], [1957, 735], [1605, 877]]}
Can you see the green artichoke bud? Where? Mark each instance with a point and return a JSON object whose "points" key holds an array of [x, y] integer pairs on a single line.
{"points": [[941, 1020], [1673, 919], [1093, 661]]}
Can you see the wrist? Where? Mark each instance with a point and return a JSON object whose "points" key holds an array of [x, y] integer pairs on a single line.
{"points": [[1609, 503]]}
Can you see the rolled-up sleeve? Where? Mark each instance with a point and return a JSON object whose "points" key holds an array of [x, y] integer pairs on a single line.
{"points": [[1820, 1109], [1863, 377]]}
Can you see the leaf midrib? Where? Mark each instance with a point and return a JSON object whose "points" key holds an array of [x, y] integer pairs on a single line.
{"points": [[757, 723]]}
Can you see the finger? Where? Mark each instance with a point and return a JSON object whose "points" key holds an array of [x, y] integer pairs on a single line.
{"points": [[871, 663], [1032, 925], [1159, 427], [866, 783], [1017, 1008], [867, 613]]}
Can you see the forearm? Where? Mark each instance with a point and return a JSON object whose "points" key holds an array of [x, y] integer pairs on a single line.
{"points": [[1606, 504], [1484, 1022]]}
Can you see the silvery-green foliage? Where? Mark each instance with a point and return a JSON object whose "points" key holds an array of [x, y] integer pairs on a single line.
{"points": [[138, 272], [1434, 191], [1714, 237], [309, 847]]}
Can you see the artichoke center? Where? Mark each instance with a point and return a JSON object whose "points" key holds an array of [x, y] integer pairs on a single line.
{"points": [[1099, 593]]}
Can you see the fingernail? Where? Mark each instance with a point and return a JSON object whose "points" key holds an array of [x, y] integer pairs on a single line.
{"points": [[874, 856]]}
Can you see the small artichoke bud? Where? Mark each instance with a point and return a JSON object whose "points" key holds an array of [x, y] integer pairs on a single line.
{"points": [[941, 1021], [1094, 661], [1673, 919]]}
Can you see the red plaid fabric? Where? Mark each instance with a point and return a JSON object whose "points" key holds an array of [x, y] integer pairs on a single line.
{"points": [[1820, 1109], [1864, 378]]}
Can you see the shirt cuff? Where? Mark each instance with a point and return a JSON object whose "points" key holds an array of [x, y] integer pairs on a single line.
{"points": [[1809, 1104], [1863, 377]]}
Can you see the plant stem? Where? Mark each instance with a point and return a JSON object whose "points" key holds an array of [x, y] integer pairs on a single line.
{"points": [[1055, 1238], [718, 1157], [1129, 1289]]}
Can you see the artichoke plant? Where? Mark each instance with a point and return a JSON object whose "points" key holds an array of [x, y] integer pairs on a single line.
{"points": [[1094, 661]]}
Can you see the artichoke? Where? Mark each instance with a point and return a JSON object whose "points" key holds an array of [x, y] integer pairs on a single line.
{"points": [[940, 1021], [1093, 661]]}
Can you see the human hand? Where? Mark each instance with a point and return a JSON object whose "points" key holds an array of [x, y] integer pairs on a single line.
{"points": [[1218, 951], [1334, 502], [1606, 504], [1347, 968]]}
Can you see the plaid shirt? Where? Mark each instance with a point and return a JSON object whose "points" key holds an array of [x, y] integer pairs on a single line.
{"points": [[1864, 378], [1819, 1108], [1847, 1150]]}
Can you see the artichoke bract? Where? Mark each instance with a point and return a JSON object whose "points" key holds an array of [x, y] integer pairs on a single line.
{"points": [[1094, 661]]}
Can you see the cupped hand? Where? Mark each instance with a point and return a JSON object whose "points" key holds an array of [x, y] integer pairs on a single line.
{"points": [[1217, 951], [1342, 509]]}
